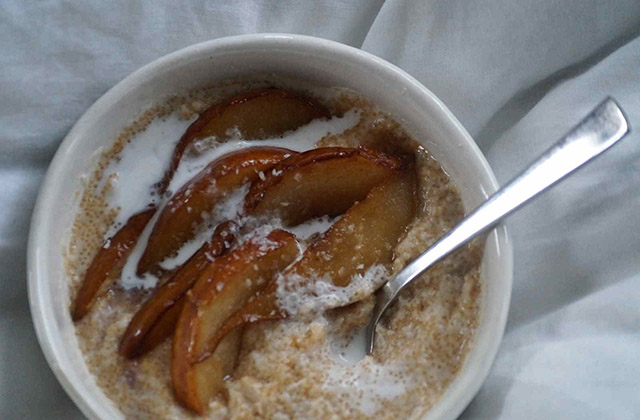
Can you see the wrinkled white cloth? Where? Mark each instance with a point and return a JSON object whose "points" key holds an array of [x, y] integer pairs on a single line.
{"points": [[516, 73]]}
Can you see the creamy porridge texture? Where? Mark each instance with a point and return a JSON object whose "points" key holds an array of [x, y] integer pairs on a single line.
{"points": [[307, 365]]}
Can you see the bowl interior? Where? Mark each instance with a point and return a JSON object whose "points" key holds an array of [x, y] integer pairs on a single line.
{"points": [[317, 61]]}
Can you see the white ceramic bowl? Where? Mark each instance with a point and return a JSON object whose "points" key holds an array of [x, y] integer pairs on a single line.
{"points": [[316, 60]]}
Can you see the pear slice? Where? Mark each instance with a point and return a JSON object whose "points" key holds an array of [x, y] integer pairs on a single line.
{"points": [[366, 235], [253, 115], [109, 259], [318, 182], [260, 114], [195, 385], [156, 319], [189, 207], [224, 287], [160, 330]]}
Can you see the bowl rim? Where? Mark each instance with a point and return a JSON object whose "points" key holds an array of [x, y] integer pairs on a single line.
{"points": [[450, 404]]}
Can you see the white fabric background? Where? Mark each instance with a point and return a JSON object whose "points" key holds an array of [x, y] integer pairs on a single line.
{"points": [[517, 73]]}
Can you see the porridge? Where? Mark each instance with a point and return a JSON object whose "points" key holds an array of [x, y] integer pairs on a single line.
{"points": [[226, 248]]}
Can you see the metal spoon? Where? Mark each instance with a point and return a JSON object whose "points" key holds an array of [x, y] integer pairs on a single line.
{"points": [[601, 129]]}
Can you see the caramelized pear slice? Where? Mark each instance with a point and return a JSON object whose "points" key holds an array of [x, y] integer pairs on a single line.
{"points": [[325, 181], [188, 208], [108, 260], [254, 115], [224, 287], [195, 385], [156, 319], [164, 327], [366, 235], [260, 114]]}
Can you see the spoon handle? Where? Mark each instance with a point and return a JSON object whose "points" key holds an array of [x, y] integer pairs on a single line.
{"points": [[601, 129]]}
